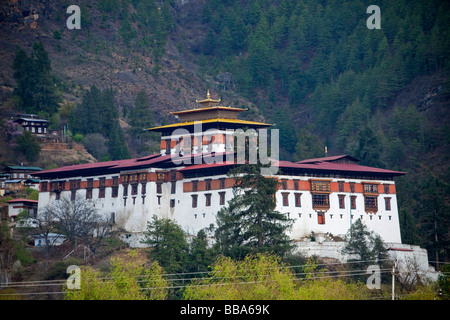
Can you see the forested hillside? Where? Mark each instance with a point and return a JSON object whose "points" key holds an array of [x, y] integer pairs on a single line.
{"points": [[311, 67]]}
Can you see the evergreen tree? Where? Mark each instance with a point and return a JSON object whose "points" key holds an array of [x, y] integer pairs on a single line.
{"points": [[167, 243], [98, 114], [29, 146], [35, 83], [250, 223]]}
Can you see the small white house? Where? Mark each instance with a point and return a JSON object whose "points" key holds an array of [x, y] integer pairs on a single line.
{"points": [[16, 206], [55, 239]]}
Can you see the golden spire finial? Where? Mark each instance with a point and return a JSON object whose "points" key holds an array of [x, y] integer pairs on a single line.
{"points": [[208, 102]]}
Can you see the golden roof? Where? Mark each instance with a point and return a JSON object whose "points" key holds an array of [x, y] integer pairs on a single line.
{"points": [[218, 120], [208, 101]]}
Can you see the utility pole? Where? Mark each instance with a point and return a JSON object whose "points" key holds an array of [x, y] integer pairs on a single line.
{"points": [[393, 282], [436, 241]]}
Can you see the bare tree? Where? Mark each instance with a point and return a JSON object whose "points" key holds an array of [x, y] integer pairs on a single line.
{"points": [[78, 219], [43, 225]]}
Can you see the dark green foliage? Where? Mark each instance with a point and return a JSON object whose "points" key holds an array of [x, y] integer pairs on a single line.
{"points": [[320, 59], [29, 146], [168, 244], [250, 223], [98, 114], [141, 115], [35, 83]]}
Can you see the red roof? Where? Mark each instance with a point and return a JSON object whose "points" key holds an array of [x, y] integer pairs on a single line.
{"points": [[327, 164], [22, 200], [116, 164], [332, 166], [329, 159]]}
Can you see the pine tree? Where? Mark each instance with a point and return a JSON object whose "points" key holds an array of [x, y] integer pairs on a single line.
{"points": [[250, 223], [35, 83]]}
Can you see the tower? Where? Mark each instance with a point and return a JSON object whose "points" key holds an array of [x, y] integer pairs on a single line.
{"points": [[207, 128]]}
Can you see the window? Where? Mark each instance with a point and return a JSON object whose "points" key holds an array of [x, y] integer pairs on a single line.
{"points": [[194, 186], [296, 185], [353, 202], [222, 198], [134, 189], [144, 188], [101, 192], [320, 217], [386, 188], [370, 188], [194, 200], [341, 201], [387, 203], [44, 186], [114, 191], [173, 187], [125, 191], [208, 184], [88, 194], [222, 183], [172, 203], [320, 186], [320, 201], [102, 182], [285, 196], [134, 178], [298, 202], [352, 187], [370, 204], [158, 188], [208, 199], [341, 186], [284, 184], [161, 176]]}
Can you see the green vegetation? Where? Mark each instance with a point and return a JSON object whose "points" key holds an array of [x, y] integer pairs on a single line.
{"points": [[315, 65], [250, 223], [97, 114], [35, 83]]}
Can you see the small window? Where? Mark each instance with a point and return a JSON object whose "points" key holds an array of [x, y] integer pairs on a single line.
{"points": [[284, 184], [352, 187], [285, 199], [341, 201], [134, 189], [158, 188], [194, 200], [208, 184], [114, 192], [222, 198], [298, 202], [296, 186], [208, 199], [125, 190], [353, 202], [88, 194], [173, 187], [144, 188], [172, 203], [194, 186], [101, 193], [321, 218], [387, 202], [341, 186], [386, 188], [222, 183]]}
